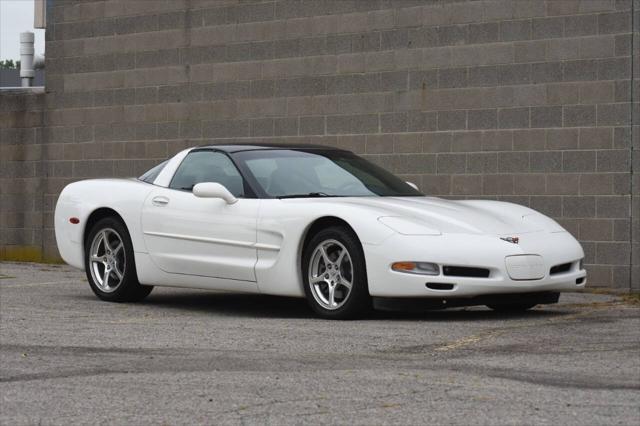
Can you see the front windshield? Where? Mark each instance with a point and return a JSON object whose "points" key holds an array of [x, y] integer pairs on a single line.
{"points": [[292, 173]]}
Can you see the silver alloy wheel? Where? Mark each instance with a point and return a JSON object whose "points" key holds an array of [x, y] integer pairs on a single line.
{"points": [[107, 261], [331, 274]]}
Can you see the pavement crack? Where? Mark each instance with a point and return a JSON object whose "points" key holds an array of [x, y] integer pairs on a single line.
{"points": [[547, 379], [470, 340]]}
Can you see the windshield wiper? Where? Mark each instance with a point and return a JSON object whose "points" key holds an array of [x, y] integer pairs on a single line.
{"points": [[307, 195]]}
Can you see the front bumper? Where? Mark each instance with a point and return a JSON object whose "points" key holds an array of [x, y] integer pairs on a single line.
{"points": [[478, 251]]}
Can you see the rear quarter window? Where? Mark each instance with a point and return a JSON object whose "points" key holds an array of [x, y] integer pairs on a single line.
{"points": [[151, 174]]}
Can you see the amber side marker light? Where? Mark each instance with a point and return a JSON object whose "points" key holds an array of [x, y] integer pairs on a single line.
{"points": [[419, 268], [403, 266], [74, 220]]}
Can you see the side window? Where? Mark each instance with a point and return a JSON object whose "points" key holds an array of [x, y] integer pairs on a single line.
{"points": [[208, 166]]}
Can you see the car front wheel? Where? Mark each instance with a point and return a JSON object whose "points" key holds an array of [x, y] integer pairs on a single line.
{"points": [[110, 264], [335, 274]]}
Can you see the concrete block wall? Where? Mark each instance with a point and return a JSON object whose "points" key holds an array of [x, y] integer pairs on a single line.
{"points": [[528, 101], [21, 184]]}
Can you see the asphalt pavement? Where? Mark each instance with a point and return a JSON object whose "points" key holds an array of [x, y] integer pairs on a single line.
{"points": [[198, 357]]}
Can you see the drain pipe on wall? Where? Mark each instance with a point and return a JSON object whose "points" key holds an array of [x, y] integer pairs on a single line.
{"points": [[28, 61]]}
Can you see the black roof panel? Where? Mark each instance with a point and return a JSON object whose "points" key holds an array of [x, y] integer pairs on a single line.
{"points": [[231, 148]]}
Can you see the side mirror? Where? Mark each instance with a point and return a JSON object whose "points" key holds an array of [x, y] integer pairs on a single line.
{"points": [[213, 190], [413, 185]]}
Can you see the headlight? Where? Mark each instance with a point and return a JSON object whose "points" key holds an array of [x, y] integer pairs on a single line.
{"points": [[418, 268], [408, 226]]}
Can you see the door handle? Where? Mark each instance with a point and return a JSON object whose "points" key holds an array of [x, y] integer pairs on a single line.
{"points": [[160, 201]]}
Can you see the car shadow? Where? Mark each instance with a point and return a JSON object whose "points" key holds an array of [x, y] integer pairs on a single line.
{"points": [[475, 313], [245, 305], [264, 306]]}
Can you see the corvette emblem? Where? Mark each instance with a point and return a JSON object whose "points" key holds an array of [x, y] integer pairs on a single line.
{"points": [[512, 240]]}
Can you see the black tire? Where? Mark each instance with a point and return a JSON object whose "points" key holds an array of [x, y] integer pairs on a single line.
{"points": [[512, 308], [129, 289], [358, 301]]}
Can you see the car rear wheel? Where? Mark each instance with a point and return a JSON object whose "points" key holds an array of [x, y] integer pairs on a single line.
{"points": [[512, 308], [335, 275], [110, 264]]}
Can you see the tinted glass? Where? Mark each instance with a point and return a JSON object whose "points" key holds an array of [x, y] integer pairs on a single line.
{"points": [[208, 166], [285, 173], [151, 174]]}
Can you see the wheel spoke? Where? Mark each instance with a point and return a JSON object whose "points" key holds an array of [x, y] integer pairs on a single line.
{"points": [[105, 278], [117, 248], [346, 283], [325, 256], [332, 295], [105, 241], [117, 272], [96, 258], [343, 252], [317, 280]]}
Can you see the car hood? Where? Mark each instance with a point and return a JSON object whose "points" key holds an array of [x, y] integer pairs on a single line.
{"points": [[456, 216]]}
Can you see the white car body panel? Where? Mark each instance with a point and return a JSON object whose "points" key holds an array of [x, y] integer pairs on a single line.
{"points": [[80, 199], [200, 236], [255, 245]]}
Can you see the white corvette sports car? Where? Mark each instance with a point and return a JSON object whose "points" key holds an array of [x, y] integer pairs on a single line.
{"points": [[309, 221]]}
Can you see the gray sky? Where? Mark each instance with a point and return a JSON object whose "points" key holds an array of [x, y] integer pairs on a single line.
{"points": [[16, 16]]}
